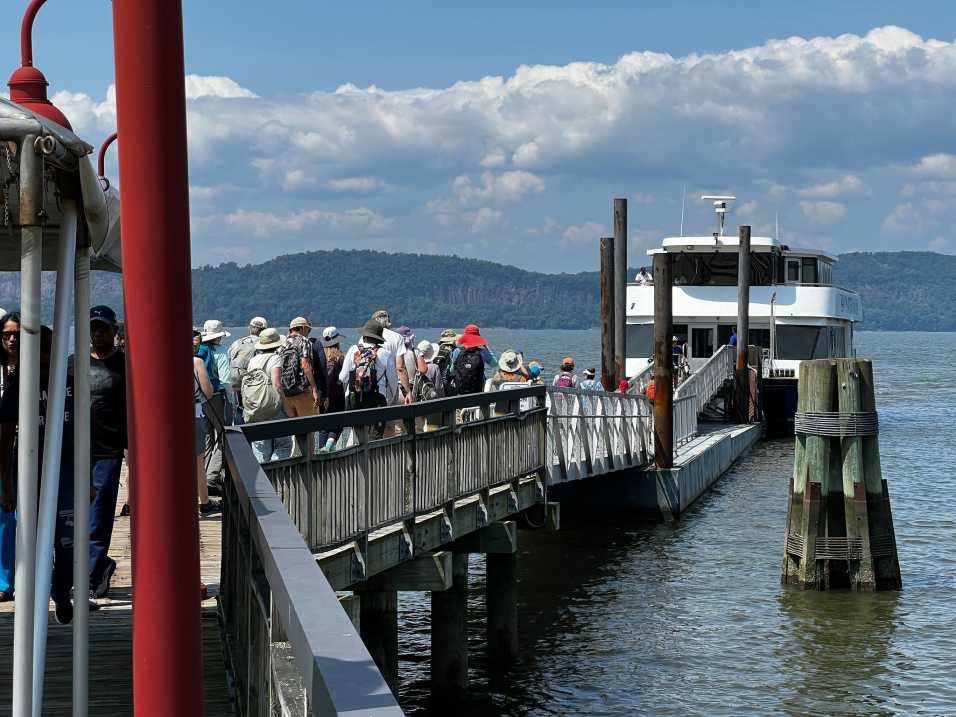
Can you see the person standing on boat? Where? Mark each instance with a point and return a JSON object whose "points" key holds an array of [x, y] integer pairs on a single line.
{"points": [[109, 441], [733, 337], [644, 278], [9, 362]]}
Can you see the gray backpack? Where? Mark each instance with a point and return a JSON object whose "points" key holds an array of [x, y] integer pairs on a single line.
{"points": [[242, 353], [260, 400]]}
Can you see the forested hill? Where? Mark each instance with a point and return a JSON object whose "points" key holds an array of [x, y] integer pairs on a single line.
{"points": [[900, 290]]}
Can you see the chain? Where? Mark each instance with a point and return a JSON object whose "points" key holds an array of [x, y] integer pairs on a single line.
{"points": [[11, 180]]}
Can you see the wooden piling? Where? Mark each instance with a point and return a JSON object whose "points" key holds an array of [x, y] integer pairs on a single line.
{"points": [[839, 523], [743, 324], [607, 314], [501, 597], [450, 637], [620, 287], [378, 626], [663, 381]]}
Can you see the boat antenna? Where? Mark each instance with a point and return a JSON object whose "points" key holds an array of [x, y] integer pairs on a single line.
{"points": [[776, 223], [683, 198], [720, 208]]}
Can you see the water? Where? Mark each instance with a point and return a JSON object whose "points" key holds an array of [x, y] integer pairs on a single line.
{"points": [[623, 618]]}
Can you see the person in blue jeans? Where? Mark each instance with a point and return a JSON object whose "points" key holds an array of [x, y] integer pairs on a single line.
{"points": [[62, 579], [9, 361], [108, 441]]}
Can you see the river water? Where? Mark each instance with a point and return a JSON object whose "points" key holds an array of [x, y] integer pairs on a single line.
{"points": [[619, 617]]}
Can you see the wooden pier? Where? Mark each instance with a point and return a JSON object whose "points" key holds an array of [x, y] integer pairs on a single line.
{"points": [[111, 637]]}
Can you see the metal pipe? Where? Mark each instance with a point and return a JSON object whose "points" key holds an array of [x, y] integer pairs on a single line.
{"points": [[608, 372], [81, 483], [663, 356], [28, 420], [151, 113], [743, 323], [620, 287], [101, 159], [53, 445], [26, 32]]}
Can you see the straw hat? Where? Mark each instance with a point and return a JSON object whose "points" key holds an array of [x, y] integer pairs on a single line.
{"points": [[510, 362], [258, 322], [428, 350], [270, 339], [213, 329], [300, 322], [448, 336]]}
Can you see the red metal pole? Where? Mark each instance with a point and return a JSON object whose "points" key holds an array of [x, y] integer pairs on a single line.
{"points": [[101, 158], [151, 114]]}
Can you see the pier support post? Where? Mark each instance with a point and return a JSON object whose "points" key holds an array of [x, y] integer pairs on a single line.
{"points": [[839, 524], [501, 590], [607, 314], [743, 324], [620, 287], [450, 636], [378, 626], [663, 374]]}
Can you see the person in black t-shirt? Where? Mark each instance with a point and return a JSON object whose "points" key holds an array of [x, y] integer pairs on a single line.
{"points": [[62, 580], [109, 441]]}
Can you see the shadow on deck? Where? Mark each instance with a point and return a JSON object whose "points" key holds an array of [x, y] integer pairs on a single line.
{"points": [[111, 638]]}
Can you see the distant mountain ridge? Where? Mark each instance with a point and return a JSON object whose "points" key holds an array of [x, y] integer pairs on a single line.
{"points": [[900, 290]]}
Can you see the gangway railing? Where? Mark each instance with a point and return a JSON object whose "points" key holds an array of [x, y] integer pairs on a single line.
{"points": [[704, 383], [595, 432], [685, 420]]}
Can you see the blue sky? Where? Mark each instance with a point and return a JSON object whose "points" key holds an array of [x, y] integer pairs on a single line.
{"points": [[503, 130]]}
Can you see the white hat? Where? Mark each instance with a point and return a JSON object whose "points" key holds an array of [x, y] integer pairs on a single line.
{"points": [[270, 339], [258, 322], [510, 361], [213, 329], [330, 336], [427, 349]]}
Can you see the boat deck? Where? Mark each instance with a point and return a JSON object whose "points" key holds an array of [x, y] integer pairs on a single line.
{"points": [[111, 678]]}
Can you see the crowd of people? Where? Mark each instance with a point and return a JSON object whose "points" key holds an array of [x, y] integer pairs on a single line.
{"points": [[267, 375]]}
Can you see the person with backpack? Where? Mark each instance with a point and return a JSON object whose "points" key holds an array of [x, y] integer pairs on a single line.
{"points": [[566, 378], [368, 370], [240, 353], [262, 394], [335, 396], [202, 401], [446, 347], [215, 354], [428, 382], [300, 385], [469, 360], [510, 373], [590, 383]]}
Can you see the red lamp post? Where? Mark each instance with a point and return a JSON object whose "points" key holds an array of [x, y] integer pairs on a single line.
{"points": [[151, 114]]}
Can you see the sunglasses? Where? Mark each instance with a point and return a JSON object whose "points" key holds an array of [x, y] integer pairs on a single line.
{"points": [[11, 334]]}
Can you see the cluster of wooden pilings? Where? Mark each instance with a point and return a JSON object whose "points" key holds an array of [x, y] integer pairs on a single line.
{"points": [[374, 608], [840, 525]]}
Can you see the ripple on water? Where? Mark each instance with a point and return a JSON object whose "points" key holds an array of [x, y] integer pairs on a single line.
{"points": [[690, 619]]}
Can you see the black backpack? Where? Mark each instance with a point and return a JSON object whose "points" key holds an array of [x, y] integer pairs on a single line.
{"points": [[470, 371], [292, 377], [443, 362]]}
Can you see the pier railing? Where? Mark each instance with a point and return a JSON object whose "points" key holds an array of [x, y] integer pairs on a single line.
{"points": [[594, 432], [685, 420], [292, 649], [447, 449], [707, 380]]}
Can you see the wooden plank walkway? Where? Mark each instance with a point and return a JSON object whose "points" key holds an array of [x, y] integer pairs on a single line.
{"points": [[111, 638]]}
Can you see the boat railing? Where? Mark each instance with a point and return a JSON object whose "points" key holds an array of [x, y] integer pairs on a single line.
{"points": [[704, 383], [685, 420]]}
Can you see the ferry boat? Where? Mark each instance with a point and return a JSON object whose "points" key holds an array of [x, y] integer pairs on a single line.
{"points": [[796, 312]]}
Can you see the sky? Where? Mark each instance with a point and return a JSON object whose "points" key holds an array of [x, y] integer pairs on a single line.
{"points": [[503, 131]]}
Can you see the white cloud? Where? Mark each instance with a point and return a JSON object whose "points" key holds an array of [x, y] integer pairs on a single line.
{"points": [[505, 187], [823, 212], [847, 185], [263, 224], [747, 209], [587, 233], [215, 86], [482, 219], [901, 219], [937, 166], [357, 185]]}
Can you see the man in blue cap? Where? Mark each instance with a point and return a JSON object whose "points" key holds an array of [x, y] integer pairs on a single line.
{"points": [[108, 441]]}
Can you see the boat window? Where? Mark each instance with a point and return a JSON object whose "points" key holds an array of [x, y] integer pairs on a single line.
{"points": [[702, 343], [720, 269], [802, 342], [809, 270], [793, 270], [825, 270], [759, 337], [639, 340], [723, 333]]}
